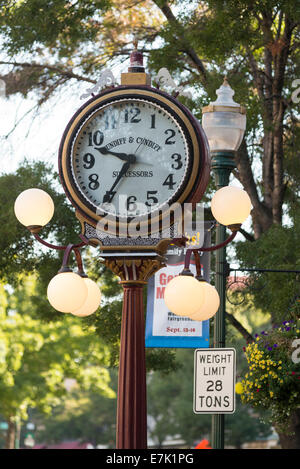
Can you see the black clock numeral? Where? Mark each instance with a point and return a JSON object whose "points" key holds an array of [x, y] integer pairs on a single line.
{"points": [[152, 121], [94, 183], [95, 138], [169, 140], [178, 162], [131, 201], [132, 119], [169, 181], [151, 200], [89, 161]]}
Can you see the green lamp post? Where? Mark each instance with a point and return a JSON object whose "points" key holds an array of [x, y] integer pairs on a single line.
{"points": [[224, 123]]}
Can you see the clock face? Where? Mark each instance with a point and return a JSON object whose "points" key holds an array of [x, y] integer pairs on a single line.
{"points": [[130, 157]]}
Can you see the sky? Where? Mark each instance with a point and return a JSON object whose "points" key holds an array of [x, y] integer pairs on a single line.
{"points": [[37, 136]]}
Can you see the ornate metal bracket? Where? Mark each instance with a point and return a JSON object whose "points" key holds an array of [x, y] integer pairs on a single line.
{"points": [[164, 79], [106, 79]]}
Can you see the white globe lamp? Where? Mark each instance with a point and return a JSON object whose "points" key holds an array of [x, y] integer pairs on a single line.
{"points": [[231, 205], [67, 292], [183, 295], [210, 304], [92, 301], [34, 208]]}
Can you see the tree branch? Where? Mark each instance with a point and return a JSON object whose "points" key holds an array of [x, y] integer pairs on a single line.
{"points": [[60, 71], [191, 53], [239, 327]]}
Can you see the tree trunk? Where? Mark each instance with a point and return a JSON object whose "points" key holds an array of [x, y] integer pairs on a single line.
{"points": [[10, 435], [291, 438]]}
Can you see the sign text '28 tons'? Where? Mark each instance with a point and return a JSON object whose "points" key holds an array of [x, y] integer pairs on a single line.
{"points": [[214, 381]]}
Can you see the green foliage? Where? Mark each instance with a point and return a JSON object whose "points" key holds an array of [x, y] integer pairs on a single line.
{"points": [[83, 415], [19, 251], [170, 406], [37, 357], [56, 24], [275, 293]]}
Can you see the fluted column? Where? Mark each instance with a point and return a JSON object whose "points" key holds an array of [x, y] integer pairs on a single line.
{"points": [[132, 399]]}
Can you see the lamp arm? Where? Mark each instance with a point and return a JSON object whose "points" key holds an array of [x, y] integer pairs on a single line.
{"points": [[62, 248], [68, 249], [65, 262], [221, 245], [189, 252]]}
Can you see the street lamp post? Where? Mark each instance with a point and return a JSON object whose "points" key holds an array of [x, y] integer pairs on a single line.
{"points": [[224, 123]]}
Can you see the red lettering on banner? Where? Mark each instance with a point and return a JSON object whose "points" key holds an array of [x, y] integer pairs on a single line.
{"points": [[160, 291], [163, 279]]}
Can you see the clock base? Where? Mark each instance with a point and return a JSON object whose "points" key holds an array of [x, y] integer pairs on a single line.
{"points": [[157, 244]]}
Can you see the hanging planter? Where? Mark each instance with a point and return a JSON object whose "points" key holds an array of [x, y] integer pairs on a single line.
{"points": [[272, 380]]}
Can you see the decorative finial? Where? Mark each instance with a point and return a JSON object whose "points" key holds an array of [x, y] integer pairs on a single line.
{"points": [[136, 59], [136, 74], [225, 82], [135, 43], [225, 95]]}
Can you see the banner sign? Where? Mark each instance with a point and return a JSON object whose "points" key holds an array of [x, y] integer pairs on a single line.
{"points": [[163, 328]]}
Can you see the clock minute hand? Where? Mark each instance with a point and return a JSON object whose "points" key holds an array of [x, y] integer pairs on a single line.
{"points": [[109, 195]]}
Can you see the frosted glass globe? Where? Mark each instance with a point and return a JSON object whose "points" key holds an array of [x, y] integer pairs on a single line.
{"points": [[183, 295], [230, 205], [67, 292], [92, 301], [224, 121], [34, 207], [210, 305]]}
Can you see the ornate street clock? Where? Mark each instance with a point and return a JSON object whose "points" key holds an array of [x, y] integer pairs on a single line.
{"points": [[126, 156]]}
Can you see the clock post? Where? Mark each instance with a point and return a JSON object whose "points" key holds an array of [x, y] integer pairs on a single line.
{"points": [[131, 432], [131, 154], [132, 401]]}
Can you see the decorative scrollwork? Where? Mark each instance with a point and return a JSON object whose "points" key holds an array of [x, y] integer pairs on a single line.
{"points": [[137, 270], [164, 79], [106, 79]]}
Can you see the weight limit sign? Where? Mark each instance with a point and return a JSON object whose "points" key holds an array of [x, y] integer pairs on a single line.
{"points": [[214, 381]]}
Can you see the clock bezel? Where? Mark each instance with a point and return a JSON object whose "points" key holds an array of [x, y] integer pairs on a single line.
{"points": [[199, 162]]}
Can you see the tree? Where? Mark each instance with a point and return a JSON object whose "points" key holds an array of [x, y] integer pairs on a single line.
{"points": [[261, 59], [83, 415], [37, 357]]}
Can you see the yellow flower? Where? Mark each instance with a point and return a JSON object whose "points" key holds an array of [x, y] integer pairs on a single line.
{"points": [[239, 388]]}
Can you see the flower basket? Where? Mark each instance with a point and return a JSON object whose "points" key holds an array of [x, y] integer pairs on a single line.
{"points": [[272, 380]]}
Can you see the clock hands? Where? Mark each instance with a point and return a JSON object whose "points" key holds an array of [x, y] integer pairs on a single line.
{"points": [[131, 158], [123, 156], [109, 195]]}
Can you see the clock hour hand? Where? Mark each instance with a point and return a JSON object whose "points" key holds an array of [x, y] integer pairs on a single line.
{"points": [[122, 156], [109, 195]]}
